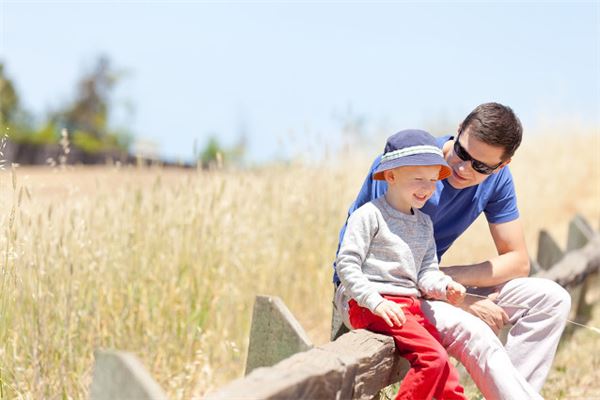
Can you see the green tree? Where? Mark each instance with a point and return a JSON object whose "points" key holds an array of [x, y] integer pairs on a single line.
{"points": [[86, 118], [212, 152], [9, 100], [89, 112], [14, 120]]}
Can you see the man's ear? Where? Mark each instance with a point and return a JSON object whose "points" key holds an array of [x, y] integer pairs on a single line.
{"points": [[504, 164]]}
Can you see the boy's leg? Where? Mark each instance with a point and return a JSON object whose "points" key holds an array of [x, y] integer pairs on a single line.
{"points": [[474, 344], [430, 367], [452, 388], [532, 341]]}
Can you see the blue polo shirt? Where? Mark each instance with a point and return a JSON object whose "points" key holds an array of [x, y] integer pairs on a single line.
{"points": [[451, 210]]}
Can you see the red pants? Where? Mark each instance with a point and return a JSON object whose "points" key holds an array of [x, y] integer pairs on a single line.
{"points": [[431, 373]]}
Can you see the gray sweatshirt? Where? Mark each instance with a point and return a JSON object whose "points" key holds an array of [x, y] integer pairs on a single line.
{"points": [[385, 251]]}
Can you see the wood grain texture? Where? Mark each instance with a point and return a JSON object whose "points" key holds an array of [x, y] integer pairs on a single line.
{"points": [[356, 366]]}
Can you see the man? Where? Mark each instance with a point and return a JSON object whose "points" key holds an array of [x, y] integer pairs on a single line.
{"points": [[481, 182]]}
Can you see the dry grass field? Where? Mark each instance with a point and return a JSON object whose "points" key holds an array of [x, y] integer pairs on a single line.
{"points": [[166, 263]]}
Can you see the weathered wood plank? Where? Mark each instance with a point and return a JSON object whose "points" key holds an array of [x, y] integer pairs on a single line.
{"points": [[572, 271], [356, 366], [576, 265], [374, 370]]}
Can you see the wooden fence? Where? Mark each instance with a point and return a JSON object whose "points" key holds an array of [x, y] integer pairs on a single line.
{"points": [[283, 364]]}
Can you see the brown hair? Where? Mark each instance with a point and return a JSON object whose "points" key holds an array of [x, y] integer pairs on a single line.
{"points": [[496, 125]]}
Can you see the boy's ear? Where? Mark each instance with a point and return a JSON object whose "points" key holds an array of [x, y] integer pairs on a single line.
{"points": [[388, 175]]}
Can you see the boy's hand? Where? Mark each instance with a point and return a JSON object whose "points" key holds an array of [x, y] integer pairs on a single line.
{"points": [[391, 313], [455, 293]]}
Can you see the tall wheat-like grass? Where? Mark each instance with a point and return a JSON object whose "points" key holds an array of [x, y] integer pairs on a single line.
{"points": [[166, 263]]}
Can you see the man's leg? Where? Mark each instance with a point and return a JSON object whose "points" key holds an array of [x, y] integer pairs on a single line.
{"points": [[474, 344], [532, 341]]}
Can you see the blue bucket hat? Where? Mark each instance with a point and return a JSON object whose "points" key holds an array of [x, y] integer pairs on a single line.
{"points": [[411, 147]]}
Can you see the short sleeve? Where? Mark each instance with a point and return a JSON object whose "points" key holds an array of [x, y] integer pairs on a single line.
{"points": [[502, 205]]}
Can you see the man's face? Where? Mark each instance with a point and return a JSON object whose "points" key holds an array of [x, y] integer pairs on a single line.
{"points": [[463, 174]]}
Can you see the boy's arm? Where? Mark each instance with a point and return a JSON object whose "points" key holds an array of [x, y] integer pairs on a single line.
{"points": [[361, 228], [431, 281], [511, 262]]}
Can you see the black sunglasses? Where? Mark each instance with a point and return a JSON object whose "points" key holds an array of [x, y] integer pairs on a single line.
{"points": [[477, 165]]}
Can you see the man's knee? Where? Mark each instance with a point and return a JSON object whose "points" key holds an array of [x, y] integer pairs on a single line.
{"points": [[539, 294], [555, 300], [559, 299]]}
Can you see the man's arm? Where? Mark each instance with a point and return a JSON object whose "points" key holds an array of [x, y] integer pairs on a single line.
{"points": [[511, 262]]}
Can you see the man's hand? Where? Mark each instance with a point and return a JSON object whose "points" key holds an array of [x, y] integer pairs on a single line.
{"points": [[391, 313], [488, 311], [455, 293]]}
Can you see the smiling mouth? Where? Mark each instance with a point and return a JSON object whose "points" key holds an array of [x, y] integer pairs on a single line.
{"points": [[458, 176]]}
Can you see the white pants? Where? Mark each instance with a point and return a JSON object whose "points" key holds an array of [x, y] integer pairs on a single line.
{"points": [[518, 369]]}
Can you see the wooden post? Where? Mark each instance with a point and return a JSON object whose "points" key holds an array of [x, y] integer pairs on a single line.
{"points": [[275, 334], [121, 376], [548, 252], [580, 233]]}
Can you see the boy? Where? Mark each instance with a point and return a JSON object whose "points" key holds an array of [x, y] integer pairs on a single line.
{"points": [[388, 258]]}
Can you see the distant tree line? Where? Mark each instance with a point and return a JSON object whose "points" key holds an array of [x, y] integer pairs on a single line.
{"points": [[89, 140], [89, 137]]}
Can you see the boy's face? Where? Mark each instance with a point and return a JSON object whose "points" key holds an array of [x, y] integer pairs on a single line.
{"points": [[463, 174], [412, 186]]}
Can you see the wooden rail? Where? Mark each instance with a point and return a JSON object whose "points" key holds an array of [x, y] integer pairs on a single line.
{"points": [[283, 364], [357, 365]]}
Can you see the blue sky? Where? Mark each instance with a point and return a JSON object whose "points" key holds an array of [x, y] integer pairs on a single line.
{"points": [[290, 73]]}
